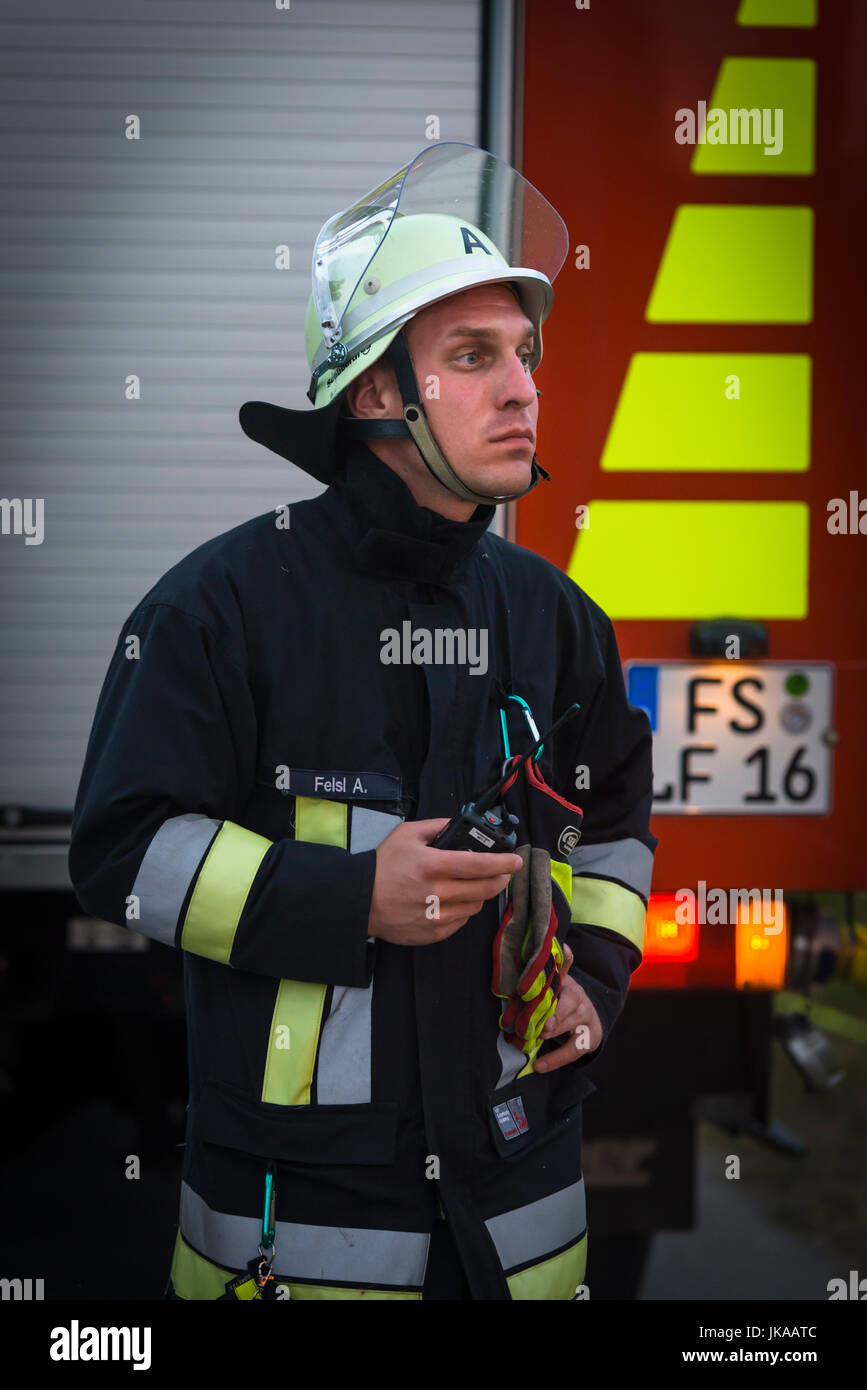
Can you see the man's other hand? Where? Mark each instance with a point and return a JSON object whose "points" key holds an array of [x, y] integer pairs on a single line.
{"points": [[574, 1015]]}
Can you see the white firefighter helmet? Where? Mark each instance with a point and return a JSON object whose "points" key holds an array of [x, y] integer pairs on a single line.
{"points": [[454, 218]]}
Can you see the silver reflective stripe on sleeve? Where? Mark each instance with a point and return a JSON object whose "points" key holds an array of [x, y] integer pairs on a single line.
{"points": [[629, 861], [369, 828], [531, 1232], [343, 1070], [167, 870], [338, 1254]]}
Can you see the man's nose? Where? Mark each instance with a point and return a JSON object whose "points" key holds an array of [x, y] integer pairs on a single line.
{"points": [[516, 384]]}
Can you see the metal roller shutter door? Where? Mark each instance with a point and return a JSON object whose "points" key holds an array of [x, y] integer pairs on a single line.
{"points": [[156, 258]]}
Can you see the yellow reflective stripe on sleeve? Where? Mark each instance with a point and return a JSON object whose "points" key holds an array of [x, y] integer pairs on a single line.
{"points": [[562, 876], [557, 1278], [320, 822], [297, 1019], [598, 903], [195, 1278], [221, 891]]}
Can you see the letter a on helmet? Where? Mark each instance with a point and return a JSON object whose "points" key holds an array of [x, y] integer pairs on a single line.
{"points": [[454, 218]]}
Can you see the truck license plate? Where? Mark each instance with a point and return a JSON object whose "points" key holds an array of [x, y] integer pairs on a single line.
{"points": [[738, 738]]}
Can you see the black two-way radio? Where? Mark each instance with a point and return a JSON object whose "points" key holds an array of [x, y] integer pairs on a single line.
{"points": [[482, 827]]}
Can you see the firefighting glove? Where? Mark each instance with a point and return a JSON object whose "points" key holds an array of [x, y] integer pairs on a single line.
{"points": [[528, 958]]}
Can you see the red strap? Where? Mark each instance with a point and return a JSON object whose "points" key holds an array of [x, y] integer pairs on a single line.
{"points": [[535, 778]]}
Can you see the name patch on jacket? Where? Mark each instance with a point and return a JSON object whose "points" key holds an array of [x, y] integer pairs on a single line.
{"points": [[354, 786]]}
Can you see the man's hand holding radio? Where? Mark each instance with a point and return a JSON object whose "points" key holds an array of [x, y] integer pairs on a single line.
{"points": [[422, 895]]}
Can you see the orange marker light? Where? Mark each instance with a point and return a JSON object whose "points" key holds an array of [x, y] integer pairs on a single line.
{"points": [[760, 951]]}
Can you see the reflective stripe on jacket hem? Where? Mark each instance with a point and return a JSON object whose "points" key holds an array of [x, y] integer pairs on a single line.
{"points": [[195, 1278], [556, 1278], [532, 1231], [339, 1254]]}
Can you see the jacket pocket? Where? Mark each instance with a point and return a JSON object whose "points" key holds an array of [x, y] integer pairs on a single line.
{"points": [[320, 1134], [573, 1086], [533, 1109]]}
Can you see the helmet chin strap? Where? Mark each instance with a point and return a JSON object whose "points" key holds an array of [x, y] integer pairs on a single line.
{"points": [[414, 423]]}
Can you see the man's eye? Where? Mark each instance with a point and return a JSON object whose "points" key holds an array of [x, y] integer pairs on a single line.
{"points": [[526, 357]]}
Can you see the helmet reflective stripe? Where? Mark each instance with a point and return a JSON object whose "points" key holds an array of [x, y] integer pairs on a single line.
{"points": [[421, 280]]}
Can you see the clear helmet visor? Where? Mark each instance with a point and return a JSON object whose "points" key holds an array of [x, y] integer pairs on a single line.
{"points": [[456, 179]]}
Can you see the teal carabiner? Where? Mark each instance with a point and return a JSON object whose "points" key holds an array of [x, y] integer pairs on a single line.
{"points": [[531, 724], [268, 1228]]}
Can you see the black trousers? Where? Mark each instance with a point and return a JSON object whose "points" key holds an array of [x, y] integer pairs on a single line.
{"points": [[444, 1278]]}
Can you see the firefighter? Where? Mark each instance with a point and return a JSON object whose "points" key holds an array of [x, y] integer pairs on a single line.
{"points": [[387, 1040]]}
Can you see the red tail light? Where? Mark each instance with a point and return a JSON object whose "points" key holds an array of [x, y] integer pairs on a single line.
{"points": [[679, 953]]}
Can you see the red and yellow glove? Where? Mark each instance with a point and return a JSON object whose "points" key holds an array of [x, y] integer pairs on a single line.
{"points": [[528, 958]]}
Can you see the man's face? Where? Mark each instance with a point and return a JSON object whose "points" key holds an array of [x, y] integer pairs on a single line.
{"points": [[473, 349]]}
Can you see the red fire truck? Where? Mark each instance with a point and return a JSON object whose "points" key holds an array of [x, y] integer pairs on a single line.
{"points": [[701, 420]]}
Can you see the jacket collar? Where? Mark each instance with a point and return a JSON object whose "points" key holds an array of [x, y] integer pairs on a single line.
{"points": [[389, 533]]}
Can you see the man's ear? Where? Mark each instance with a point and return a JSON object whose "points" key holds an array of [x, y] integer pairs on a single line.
{"points": [[357, 389], [365, 396]]}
